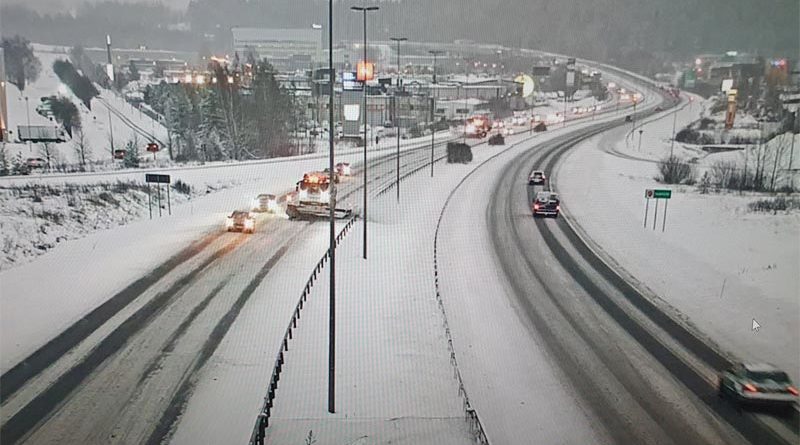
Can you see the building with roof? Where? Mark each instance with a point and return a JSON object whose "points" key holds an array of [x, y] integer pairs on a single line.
{"points": [[285, 49]]}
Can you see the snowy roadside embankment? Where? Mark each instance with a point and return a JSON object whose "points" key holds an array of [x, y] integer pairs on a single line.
{"points": [[34, 219], [717, 264], [83, 273]]}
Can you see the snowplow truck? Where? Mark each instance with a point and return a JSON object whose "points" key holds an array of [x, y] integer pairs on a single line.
{"points": [[311, 198]]}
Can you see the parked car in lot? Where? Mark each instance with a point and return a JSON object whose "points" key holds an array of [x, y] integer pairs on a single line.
{"points": [[240, 221], [537, 177], [265, 202], [546, 204], [758, 384]]}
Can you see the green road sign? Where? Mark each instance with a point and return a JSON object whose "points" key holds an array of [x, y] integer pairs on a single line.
{"points": [[658, 194]]}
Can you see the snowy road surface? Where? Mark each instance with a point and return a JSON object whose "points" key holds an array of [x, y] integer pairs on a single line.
{"points": [[140, 352], [134, 373]]}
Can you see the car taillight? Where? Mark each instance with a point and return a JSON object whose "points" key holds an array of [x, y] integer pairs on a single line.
{"points": [[536, 207], [558, 207], [749, 387], [792, 390]]}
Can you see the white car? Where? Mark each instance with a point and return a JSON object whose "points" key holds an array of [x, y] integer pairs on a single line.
{"points": [[537, 177], [265, 203]]}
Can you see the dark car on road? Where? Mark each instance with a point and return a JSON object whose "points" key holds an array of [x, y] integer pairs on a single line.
{"points": [[546, 204], [757, 384], [240, 221], [497, 139]]}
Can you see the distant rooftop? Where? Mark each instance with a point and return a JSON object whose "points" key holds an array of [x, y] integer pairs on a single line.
{"points": [[306, 35]]}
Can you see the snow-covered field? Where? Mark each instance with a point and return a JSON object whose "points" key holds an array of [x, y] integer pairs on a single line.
{"points": [[717, 264], [655, 134]]}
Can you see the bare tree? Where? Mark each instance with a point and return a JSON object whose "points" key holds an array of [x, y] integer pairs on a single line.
{"points": [[81, 146], [780, 144]]}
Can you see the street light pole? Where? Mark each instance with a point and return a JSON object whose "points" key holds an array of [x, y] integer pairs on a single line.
{"points": [[332, 231], [28, 112], [791, 151], [396, 116], [433, 107], [364, 10], [674, 123]]}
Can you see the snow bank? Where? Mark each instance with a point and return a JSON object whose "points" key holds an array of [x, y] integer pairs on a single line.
{"points": [[719, 265]]}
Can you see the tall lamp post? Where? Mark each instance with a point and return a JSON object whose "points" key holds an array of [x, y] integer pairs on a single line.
{"points": [[396, 109], [28, 112], [332, 231], [435, 53], [364, 10]]}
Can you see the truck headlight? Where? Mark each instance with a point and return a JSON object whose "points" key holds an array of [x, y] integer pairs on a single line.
{"points": [[303, 194], [229, 223], [249, 224], [324, 196]]}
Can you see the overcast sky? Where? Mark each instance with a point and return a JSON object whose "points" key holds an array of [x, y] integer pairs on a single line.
{"points": [[69, 5]]}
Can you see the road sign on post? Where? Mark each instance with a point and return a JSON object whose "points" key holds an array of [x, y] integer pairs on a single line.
{"points": [[656, 194], [157, 179]]}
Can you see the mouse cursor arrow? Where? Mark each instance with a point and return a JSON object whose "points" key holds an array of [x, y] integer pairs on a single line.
{"points": [[756, 326]]}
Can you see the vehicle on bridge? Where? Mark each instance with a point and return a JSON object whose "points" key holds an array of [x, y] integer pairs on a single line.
{"points": [[546, 204], [240, 221], [311, 198], [758, 384]]}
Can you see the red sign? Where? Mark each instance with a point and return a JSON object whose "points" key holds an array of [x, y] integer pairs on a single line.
{"points": [[152, 147], [365, 71]]}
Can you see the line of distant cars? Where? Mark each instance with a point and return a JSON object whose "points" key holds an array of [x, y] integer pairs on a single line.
{"points": [[545, 202], [311, 186]]}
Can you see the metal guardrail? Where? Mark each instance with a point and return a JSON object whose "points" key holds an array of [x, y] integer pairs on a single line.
{"points": [[257, 437], [471, 416]]}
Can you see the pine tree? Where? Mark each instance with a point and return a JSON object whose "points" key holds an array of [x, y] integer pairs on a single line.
{"points": [[211, 122], [131, 159]]}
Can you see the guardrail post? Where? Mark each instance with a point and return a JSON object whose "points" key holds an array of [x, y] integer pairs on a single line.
{"points": [[285, 347]]}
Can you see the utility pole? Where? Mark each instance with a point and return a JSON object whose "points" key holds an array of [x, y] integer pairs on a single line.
{"points": [[433, 106], [674, 122], [396, 111], [640, 139], [332, 226], [111, 131], [28, 112], [364, 10], [791, 151]]}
